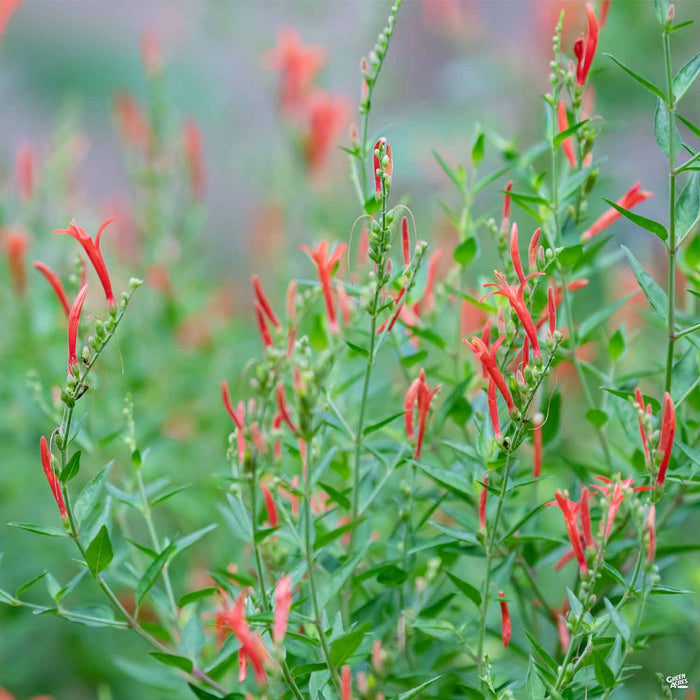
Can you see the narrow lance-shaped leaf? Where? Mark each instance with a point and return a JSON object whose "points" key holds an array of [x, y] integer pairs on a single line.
{"points": [[686, 76], [642, 81], [152, 573], [99, 553], [649, 224], [668, 138]]}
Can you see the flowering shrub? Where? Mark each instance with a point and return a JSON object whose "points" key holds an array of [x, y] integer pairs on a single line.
{"points": [[398, 484]]}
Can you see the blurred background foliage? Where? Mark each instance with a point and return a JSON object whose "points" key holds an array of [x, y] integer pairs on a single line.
{"points": [[453, 64]]}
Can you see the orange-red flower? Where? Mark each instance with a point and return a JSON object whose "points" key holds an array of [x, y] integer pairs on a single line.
{"points": [[615, 497], [506, 627], [345, 684], [192, 147], [16, 243], [270, 507], [24, 171], [492, 401], [131, 121], [563, 124], [668, 430], [327, 117], [55, 283], [252, 646], [298, 66], [421, 396], [584, 50], [515, 297], [51, 477], [283, 603], [570, 511], [325, 266], [630, 199], [650, 526], [73, 323], [487, 357], [92, 250]]}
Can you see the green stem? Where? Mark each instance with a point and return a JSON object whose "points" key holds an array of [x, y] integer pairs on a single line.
{"points": [[672, 248], [309, 557]]}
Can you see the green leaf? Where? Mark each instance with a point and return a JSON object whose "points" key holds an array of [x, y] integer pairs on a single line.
{"points": [[667, 590], [378, 426], [663, 132], [464, 252], [620, 623], [325, 538], [449, 172], [642, 81], [603, 674], [90, 495], [574, 603], [40, 529], [152, 573], [26, 586], [459, 535], [661, 10], [478, 148], [415, 692], [653, 292], [372, 205], [414, 358], [654, 226], [593, 322], [452, 481], [195, 597], [71, 469], [540, 650], [596, 417], [685, 77], [99, 553], [184, 664], [187, 541], [690, 125], [530, 513], [470, 591], [356, 348], [392, 575], [688, 206], [617, 347], [168, 494], [343, 647], [563, 135], [535, 686], [570, 255]]}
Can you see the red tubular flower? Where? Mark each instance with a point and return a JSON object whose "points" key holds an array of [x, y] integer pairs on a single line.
{"points": [[525, 354], [506, 206], [192, 147], [421, 396], [585, 50], [615, 497], [377, 166], [487, 357], [515, 298], [151, 55], [252, 645], [537, 445], [16, 243], [586, 518], [346, 684], [344, 302], [327, 118], [283, 603], [130, 120], [226, 399], [298, 66], [51, 477], [631, 198], [532, 249], [73, 322], [282, 408], [640, 402], [7, 9], [262, 326], [604, 9], [325, 267], [506, 627], [24, 172], [493, 409], [242, 666], [565, 559], [486, 340], [563, 124], [427, 302], [55, 283], [265, 304], [650, 526], [482, 505], [406, 242], [515, 253], [270, 507], [668, 430], [551, 312], [92, 250], [562, 629], [569, 510]]}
